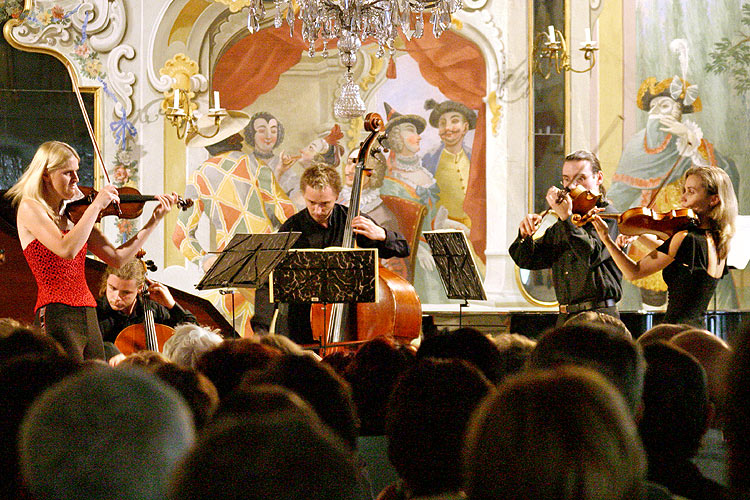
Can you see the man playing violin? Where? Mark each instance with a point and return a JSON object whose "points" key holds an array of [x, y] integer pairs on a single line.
{"points": [[584, 275], [322, 224], [121, 303]]}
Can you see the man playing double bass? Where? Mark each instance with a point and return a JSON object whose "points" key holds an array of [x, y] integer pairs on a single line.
{"points": [[583, 273], [121, 303], [322, 223]]}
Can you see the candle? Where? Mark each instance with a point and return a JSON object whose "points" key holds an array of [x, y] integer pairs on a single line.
{"points": [[176, 98], [551, 33], [216, 100], [588, 35]]}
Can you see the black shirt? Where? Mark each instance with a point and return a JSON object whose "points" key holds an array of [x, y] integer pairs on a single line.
{"points": [[297, 326], [112, 322], [582, 268], [689, 286]]}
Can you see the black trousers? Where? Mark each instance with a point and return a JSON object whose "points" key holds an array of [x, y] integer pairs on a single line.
{"points": [[75, 328]]}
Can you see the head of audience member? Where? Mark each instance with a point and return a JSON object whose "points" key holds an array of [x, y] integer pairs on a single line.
{"points": [[24, 340], [662, 332], [258, 400], [599, 317], [101, 430], [467, 344], [146, 359], [284, 344], [737, 429], [427, 417], [339, 360], [23, 378], [285, 455], [515, 350], [195, 388], [8, 325], [317, 384], [188, 343], [554, 434], [373, 374], [597, 346], [715, 357], [226, 363], [676, 410]]}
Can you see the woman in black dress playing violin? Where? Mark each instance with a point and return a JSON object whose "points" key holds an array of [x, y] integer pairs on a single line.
{"points": [[55, 247], [693, 260]]}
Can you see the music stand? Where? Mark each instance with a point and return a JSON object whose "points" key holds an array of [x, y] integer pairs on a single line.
{"points": [[328, 276], [246, 261], [458, 272]]}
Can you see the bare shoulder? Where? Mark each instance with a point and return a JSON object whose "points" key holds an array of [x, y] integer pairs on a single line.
{"points": [[677, 240]]}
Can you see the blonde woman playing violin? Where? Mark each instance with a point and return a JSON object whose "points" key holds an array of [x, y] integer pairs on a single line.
{"points": [[584, 275], [55, 248], [693, 260]]}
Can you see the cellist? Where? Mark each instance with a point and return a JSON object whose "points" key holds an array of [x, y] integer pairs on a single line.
{"points": [[122, 303], [322, 223], [584, 275]]}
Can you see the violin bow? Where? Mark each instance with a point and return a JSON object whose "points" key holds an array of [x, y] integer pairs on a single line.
{"points": [[663, 182], [77, 90]]}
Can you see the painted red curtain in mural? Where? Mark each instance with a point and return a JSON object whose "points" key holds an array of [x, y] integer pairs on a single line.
{"points": [[453, 64]]}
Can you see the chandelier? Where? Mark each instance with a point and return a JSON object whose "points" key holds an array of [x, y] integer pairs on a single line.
{"points": [[351, 23]]}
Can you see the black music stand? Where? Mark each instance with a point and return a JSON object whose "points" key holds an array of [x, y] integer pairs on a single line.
{"points": [[327, 276], [246, 261], [456, 266]]}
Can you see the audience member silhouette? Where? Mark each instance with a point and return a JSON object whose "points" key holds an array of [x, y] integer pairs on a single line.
{"points": [[738, 420], [105, 433], [563, 434], [226, 363], [602, 348], [515, 350], [468, 344], [676, 413], [428, 414], [188, 343], [198, 392]]}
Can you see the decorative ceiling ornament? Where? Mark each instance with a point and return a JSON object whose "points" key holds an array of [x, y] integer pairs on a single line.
{"points": [[352, 22]]}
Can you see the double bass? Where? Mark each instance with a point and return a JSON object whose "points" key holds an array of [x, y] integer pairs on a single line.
{"points": [[397, 311]]}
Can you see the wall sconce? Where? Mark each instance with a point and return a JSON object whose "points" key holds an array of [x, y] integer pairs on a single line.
{"points": [[181, 114], [178, 106], [551, 52]]}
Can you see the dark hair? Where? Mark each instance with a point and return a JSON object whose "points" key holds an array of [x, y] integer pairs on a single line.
{"points": [[428, 414], [226, 363], [467, 344], [585, 155], [598, 346]]}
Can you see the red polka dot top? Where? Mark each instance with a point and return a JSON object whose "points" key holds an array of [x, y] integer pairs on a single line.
{"points": [[59, 280]]}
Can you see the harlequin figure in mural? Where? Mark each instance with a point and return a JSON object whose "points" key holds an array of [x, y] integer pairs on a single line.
{"points": [[451, 160], [666, 147], [238, 195], [322, 151], [263, 135], [407, 178]]}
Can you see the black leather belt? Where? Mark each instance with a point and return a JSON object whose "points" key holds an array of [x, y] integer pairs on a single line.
{"points": [[586, 306]]}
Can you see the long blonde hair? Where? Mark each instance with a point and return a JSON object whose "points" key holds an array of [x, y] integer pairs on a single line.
{"points": [[51, 156], [721, 218]]}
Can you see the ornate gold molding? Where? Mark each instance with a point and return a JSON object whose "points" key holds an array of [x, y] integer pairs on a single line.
{"points": [[181, 69]]}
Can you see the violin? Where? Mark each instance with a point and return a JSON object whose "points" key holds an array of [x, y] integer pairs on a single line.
{"points": [[148, 335], [130, 206], [642, 220]]}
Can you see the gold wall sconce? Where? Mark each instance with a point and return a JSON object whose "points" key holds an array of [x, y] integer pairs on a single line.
{"points": [[179, 106], [551, 53]]}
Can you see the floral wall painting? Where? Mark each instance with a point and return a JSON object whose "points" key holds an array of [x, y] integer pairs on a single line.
{"points": [[432, 107]]}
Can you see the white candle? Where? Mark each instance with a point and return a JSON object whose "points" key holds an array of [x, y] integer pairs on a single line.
{"points": [[217, 105], [588, 35], [176, 98], [551, 33]]}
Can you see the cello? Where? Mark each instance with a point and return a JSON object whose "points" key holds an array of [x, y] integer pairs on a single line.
{"points": [[148, 335], [397, 311]]}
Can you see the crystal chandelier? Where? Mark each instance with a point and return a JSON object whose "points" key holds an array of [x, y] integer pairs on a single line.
{"points": [[352, 22]]}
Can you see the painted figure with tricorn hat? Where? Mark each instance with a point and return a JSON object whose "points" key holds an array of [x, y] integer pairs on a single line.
{"points": [[407, 178], [451, 160], [666, 147]]}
